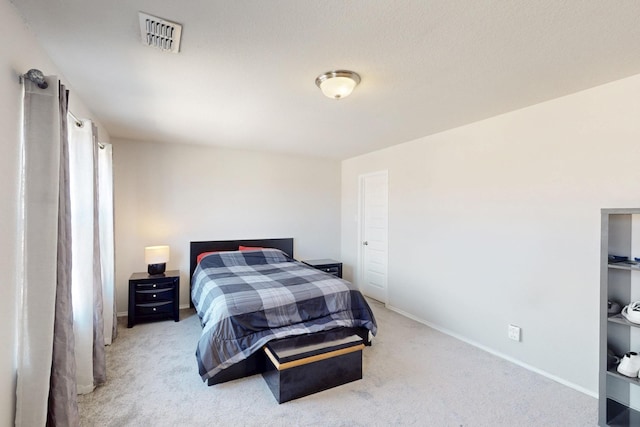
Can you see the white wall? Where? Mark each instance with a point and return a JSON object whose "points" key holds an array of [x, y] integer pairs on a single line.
{"points": [[498, 222], [173, 194], [19, 52]]}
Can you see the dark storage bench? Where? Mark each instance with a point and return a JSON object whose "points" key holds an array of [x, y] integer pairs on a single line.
{"points": [[306, 364]]}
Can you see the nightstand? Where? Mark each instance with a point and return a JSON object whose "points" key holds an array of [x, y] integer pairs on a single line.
{"points": [[153, 297], [330, 266]]}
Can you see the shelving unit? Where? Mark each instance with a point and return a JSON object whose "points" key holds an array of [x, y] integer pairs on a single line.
{"points": [[619, 395]]}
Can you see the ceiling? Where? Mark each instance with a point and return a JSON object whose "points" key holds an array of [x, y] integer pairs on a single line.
{"points": [[244, 77]]}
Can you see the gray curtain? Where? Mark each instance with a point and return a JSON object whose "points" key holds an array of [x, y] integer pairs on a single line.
{"points": [[99, 363], [39, 199], [87, 280], [105, 199], [46, 386], [63, 400]]}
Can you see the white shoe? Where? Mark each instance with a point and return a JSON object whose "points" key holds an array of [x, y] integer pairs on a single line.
{"points": [[631, 312], [630, 364]]}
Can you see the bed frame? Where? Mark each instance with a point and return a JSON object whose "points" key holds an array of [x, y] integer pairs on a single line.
{"points": [[285, 245], [257, 362]]}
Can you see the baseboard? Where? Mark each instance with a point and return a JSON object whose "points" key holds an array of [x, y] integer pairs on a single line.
{"points": [[495, 353], [126, 313], [475, 344]]}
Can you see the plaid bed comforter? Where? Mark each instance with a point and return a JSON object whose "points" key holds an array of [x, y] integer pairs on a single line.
{"points": [[245, 299]]}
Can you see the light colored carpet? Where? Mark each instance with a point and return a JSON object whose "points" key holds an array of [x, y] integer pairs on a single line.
{"points": [[413, 375]]}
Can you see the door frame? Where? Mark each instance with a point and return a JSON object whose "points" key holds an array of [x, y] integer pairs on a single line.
{"points": [[360, 253]]}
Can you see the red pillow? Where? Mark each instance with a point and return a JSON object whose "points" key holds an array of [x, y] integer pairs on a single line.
{"points": [[248, 248], [204, 254]]}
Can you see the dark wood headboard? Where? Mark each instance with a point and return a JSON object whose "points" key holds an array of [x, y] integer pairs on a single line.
{"points": [[285, 245]]}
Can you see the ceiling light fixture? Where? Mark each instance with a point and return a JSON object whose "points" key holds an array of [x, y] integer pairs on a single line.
{"points": [[337, 84]]}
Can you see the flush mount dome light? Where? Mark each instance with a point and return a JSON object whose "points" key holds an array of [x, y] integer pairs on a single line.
{"points": [[337, 84]]}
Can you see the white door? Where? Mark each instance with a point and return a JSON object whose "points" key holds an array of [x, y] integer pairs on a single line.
{"points": [[373, 235]]}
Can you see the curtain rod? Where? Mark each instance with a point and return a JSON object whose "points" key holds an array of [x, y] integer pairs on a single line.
{"points": [[79, 122], [37, 77]]}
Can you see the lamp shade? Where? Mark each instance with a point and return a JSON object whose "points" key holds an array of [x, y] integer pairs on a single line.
{"points": [[156, 254], [337, 84]]}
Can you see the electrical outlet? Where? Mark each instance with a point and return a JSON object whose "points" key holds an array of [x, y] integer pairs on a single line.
{"points": [[514, 332]]}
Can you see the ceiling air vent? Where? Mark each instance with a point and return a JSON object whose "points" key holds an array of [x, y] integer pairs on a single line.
{"points": [[159, 33]]}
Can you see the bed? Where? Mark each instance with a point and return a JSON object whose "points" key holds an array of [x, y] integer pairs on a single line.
{"points": [[247, 298]]}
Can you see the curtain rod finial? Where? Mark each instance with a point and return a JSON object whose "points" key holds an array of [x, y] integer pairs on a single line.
{"points": [[37, 77]]}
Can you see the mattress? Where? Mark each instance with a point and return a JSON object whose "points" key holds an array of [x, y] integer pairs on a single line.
{"points": [[246, 298]]}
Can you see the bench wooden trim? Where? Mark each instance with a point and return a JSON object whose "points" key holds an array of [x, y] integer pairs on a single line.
{"points": [[287, 365]]}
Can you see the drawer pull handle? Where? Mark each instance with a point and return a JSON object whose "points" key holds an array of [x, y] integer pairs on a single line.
{"points": [[154, 285], [154, 295], [154, 309]]}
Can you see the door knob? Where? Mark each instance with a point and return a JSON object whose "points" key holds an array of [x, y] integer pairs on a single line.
{"points": [[365, 243]]}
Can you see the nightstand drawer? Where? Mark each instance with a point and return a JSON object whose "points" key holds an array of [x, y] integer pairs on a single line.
{"points": [[331, 270], [327, 265], [155, 308], [164, 284], [158, 295]]}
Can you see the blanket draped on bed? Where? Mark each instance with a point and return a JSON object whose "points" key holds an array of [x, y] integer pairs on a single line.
{"points": [[245, 299]]}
